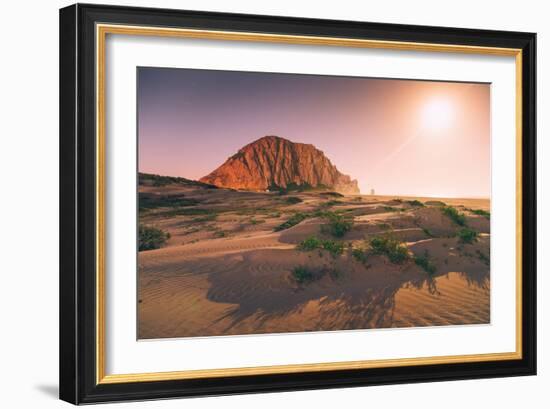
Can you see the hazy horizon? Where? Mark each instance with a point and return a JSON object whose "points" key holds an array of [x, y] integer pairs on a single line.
{"points": [[398, 137]]}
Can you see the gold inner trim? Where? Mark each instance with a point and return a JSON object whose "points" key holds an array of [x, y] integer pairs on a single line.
{"points": [[103, 29]]}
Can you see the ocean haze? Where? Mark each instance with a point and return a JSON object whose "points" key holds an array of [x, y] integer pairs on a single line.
{"points": [[375, 130]]}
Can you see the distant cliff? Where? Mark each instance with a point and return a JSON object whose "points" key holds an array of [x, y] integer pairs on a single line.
{"points": [[274, 162]]}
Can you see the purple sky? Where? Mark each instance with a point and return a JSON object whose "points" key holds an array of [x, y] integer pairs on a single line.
{"points": [[403, 137]]}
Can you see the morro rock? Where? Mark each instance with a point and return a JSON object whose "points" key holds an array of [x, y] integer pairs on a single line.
{"points": [[274, 162]]}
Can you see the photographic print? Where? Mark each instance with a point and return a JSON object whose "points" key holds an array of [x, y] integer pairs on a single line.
{"points": [[276, 203]]}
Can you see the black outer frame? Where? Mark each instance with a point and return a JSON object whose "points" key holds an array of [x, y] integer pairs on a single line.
{"points": [[78, 209]]}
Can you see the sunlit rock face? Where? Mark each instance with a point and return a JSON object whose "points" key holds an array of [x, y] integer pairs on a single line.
{"points": [[274, 162]]}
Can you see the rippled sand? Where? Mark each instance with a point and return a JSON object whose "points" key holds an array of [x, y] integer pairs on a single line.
{"points": [[243, 284]]}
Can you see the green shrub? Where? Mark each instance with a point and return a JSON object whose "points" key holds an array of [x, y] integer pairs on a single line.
{"points": [[481, 212], [415, 203], [338, 225], [335, 194], [220, 234], [293, 221], [454, 215], [158, 180], [256, 221], [302, 275], [335, 248], [309, 244], [360, 255], [467, 235], [425, 263], [330, 203], [151, 238], [293, 200], [395, 250]]}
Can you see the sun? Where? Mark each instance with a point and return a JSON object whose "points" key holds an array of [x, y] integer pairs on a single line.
{"points": [[438, 114]]}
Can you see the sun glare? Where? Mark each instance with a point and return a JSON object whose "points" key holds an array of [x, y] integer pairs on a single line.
{"points": [[438, 114]]}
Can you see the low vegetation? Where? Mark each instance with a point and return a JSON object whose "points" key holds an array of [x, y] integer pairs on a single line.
{"points": [[151, 238], [335, 248], [415, 203], [152, 201], [333, 194], [467, 235], [425, 263], [338, 224], [293, 221], [453, 214], [330, 203], [256, 221], [395, 250], [293, 200], [480, 212], [158, 180], [360, 255], [302, 274]]}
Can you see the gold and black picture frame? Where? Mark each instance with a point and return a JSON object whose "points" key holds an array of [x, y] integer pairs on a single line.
{"points": [[257, 203]]}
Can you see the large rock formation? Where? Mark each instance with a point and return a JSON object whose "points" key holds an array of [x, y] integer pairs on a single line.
{"points": [[274, 162]]}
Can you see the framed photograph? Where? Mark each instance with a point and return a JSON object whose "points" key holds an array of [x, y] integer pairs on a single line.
{"points": [[257, 203]]}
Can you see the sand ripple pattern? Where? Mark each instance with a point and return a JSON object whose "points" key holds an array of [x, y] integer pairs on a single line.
{"points": [[254, 293]]}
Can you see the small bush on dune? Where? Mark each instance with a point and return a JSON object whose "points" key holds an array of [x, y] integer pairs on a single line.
{"points": [[454, 215], [395, 250], [302, 275], [151, 238], [293, 200], [334, 194], [425, 263], [467, 235], [481, 212], [309, 244], [338, 225], [415, 203], [293, 221], [360, 255], [335, 248]]}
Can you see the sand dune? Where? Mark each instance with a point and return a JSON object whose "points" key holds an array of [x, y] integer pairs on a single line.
{"points": [[204, 283]]}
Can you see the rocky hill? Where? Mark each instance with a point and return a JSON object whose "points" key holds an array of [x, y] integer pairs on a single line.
{"points": [[274, 162]]}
